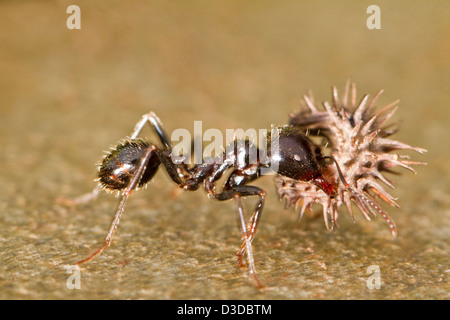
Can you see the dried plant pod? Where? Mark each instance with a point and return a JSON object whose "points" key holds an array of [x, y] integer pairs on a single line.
{"points": [[359, 142]]}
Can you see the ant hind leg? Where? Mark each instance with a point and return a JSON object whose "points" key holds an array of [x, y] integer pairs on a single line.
{"points": [[156, 124], [134, 182], [80, 200]]}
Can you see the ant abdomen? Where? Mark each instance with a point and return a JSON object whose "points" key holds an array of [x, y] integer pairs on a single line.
{"points": [[119, 166]]}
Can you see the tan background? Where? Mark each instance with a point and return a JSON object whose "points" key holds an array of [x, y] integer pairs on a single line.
{"points": [[67, 95]]}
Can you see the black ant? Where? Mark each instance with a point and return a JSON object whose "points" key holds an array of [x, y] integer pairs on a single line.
{"points": [[134, 162]]}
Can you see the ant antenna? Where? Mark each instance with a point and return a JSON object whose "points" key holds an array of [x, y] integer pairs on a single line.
{"points": [[367, 203]]}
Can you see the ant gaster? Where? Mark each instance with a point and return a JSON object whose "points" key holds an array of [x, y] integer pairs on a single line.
{"points": [[134, 162]]}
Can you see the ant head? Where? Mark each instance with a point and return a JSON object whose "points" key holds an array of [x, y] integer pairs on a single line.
{"points": [[330, 188], [299, 158], [327, 180], [119, 167]]}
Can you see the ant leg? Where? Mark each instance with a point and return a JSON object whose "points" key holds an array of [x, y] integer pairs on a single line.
{"points": [[247, 242], [252, 225], [177, 172], [248, 229], [84, 198], [154, 121], [125, 194]]}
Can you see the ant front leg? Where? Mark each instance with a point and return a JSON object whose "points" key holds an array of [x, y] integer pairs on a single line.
{"points": [[177, 172], [248, 229]]}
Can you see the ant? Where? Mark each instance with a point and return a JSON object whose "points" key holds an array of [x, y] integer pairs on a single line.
{"points": [[134, 162]]}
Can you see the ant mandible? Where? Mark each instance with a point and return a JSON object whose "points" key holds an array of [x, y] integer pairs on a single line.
{"points": [[134, 162]]}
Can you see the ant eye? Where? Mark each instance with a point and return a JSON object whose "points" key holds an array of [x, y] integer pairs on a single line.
{"points": [[119, 166]]}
